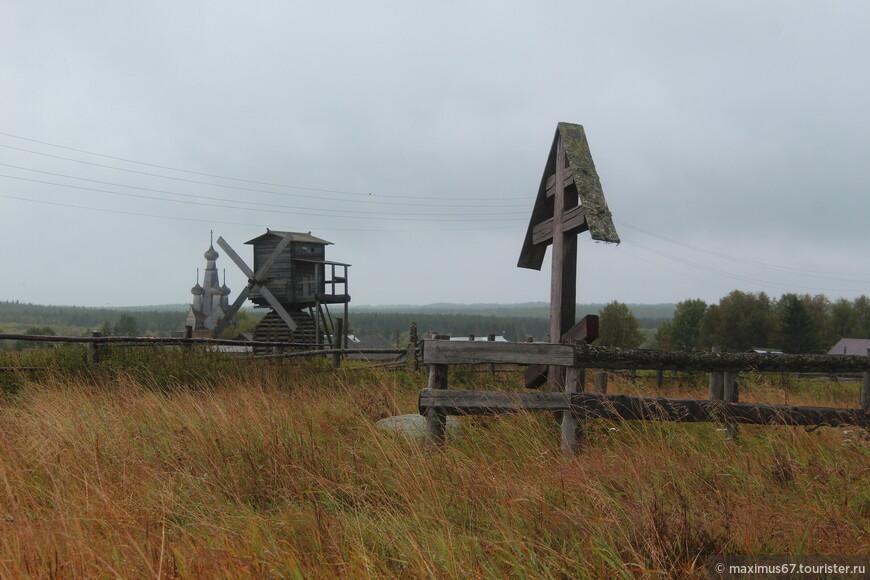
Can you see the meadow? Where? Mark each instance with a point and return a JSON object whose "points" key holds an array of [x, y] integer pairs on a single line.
{"points": [[165, 463]]}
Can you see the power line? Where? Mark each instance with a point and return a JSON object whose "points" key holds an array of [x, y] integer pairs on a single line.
{"points": [[758, 264], [194, 196], [177, 218], [303, 211], [216, 176]]}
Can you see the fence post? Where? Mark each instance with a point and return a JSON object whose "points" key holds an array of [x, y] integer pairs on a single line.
{"points": [[865, 390], [336, 342], [717, 381], [411, 363], [600, 383], [730, 394], [660, 378], [572, 427], [435, 421], [93, 354], [188, 334], [491, 338]]}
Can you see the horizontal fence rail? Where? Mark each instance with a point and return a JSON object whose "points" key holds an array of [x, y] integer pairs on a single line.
{"points": [[576, 406], [629, 408], [612, 358]]}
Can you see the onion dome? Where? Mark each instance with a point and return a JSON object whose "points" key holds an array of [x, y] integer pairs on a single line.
{"points": [[225, 290], [197, 290], [211, 253]]}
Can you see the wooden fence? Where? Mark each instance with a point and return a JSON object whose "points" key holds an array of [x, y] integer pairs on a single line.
{"points": [[94, 343], [437, 401]]}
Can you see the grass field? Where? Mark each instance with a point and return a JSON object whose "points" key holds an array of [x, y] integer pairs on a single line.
{"points": [[165, 464]]}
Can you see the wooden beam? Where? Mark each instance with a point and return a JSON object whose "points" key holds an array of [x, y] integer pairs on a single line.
{"points": [[542, 233], [456, 352], [624, 407], [574, 221], [586, 329], [613, 358]]}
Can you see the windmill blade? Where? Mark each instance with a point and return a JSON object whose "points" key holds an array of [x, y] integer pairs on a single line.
{"points": [[229, 314], [235, 258], [278, 308], [272, 257]]}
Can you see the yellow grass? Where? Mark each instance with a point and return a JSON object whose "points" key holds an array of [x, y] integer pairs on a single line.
{"points": [[282, 474]]}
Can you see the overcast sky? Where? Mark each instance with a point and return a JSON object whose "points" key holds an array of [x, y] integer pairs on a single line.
{"points": [[731, 139]]}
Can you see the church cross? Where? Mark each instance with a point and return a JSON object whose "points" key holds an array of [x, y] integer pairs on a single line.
{"points": [[570, 201]]}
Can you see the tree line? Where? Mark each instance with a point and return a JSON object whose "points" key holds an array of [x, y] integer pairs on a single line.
{"points": [[799, 324]]}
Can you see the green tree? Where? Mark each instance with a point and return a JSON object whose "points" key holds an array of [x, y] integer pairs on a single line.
{"points": [[664, 337], [862, 317], [126, 325], [739, 322], [244, 321], [844, 320], [686, 333], [619, 327], [796, 333]]}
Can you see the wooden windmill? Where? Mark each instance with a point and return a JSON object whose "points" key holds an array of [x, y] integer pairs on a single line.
{"points": [[292, 277], [569, 201]]}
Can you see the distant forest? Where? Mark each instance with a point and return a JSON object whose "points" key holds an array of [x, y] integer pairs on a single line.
{"points": [[16, 317], [514, 321]]}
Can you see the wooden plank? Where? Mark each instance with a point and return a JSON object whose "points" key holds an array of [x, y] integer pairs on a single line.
{"points": [[575, 220], [586, 329], [623, 407], [456, 352], [488, 402], [436, 419], [567, 180], [572, 425], [865, 389], [543, 232]]}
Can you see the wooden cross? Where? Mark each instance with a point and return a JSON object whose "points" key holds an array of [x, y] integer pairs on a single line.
{"points": [[570, 201]]}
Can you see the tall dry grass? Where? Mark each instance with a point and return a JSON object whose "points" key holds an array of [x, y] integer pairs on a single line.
{"points": [[277, 471]]}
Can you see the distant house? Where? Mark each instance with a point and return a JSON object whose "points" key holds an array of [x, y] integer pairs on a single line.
{"points": [[764, 350], [498, 338], [853, 346]]}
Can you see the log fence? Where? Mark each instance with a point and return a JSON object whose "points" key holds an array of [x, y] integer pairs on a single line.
{"points": [[437, 401], [95, 341]]}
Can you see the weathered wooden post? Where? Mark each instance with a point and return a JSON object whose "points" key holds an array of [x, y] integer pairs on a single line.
{"points": [[570, 200], [572, 427], [660, 378], [436, 422], [188, 334], [336, 343], [600, 383], [93, 354], [717, 381], [411, 364], [730, 394], [491, 338], [865, 390]]}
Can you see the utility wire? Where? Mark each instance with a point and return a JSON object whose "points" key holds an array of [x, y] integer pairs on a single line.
{"points": [[303, 211], [194, 196], [203, 174], [177, 218], [778, 267]]}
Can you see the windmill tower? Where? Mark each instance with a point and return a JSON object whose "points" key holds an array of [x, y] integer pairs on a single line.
{"points": [[293, 278]]}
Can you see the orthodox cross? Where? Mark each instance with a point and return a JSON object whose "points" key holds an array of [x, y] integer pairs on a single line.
{"points": [[570, 201]]}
